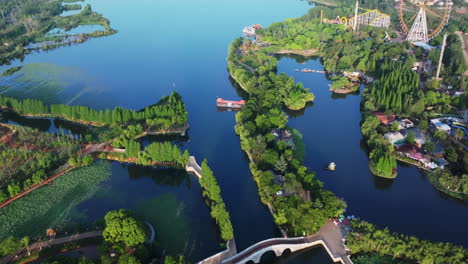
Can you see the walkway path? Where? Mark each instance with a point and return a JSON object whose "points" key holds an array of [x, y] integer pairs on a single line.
{"points": [[329, 236], [192, 166], [54, 241]]}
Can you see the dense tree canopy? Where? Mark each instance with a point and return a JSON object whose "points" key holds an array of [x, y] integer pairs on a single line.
{"points": [[122, 229]]}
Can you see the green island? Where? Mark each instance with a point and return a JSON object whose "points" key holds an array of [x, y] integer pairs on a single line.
{"points": [[282, 180], [32, 159], [408, 115], [25, 26]]}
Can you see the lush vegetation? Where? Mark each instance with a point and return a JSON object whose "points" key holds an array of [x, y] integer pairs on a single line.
{"points": [[157, 153], [212, 194], [52, 206], [169, 112], [255, 69], [24, 22], [12, 244], [123, 230], [395, 90], [366, 238], [376, 259], [381, 162], [29, 156], [300, 204]]}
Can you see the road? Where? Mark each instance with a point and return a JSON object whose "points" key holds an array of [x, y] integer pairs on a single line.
{"points": [[54, 241]]}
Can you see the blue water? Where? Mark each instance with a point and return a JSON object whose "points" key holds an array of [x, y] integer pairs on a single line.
{"points": [[81, 29], [182, 46], [408, 204]]}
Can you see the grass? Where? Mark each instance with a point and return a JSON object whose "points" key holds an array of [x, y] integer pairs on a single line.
{"points": [[53, 205], [379, 174]]}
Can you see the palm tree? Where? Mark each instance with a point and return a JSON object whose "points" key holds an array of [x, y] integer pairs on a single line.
{"points": [[25, 242]]}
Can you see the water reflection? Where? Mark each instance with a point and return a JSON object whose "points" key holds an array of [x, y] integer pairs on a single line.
{"points": [[382, 183], [314, 255], [49, 125], [297, 113], [170, 177]]}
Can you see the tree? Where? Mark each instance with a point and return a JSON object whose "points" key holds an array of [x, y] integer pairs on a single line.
{"points": [[128, 259], [459, 133], [440, 135], [429, 147], [9, 246], [410, 137], [25, 242], [433, 84], [123, 229], [395, 126], [423, 125], [3, 196], [281, 165], [451, 154], [172, 260]]}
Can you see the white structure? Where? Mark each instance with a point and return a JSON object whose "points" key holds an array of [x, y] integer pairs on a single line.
{"points": [[441, 56], [394, 137], [440, 126], [418, 31]]}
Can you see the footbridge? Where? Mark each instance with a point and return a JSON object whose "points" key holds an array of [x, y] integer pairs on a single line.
{"points": [[193, 167], [329, 237]]}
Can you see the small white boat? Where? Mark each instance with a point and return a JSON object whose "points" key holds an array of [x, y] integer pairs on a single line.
{"points": [[249, 30]]}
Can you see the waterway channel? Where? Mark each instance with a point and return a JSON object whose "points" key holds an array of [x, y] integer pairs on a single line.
{"points": [[182, 45]]}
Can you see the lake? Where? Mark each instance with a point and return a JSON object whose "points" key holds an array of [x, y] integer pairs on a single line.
{"points": [[167, 45]]}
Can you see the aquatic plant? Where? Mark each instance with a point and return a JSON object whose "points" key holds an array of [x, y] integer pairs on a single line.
{"points": [[52, 206]]}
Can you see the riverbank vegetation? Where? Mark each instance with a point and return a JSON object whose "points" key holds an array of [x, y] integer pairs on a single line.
{"points": [[367, 238], [254, 69], [155, 154], [24, 25], [212, 194], [169, 112]]}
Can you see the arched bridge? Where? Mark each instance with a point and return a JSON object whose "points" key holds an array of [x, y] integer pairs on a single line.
{"points": [[329, 236]]}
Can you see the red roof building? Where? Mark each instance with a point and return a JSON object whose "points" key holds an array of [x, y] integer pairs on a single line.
{"points": [[384, 118]]}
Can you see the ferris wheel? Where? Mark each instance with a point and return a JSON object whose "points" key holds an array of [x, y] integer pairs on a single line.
{"points": [[416, 13]]}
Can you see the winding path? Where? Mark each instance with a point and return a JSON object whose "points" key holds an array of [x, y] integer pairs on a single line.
{"points": [[54, 241]]}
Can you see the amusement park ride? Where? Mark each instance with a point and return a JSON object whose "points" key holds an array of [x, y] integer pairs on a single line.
{"points": [[410, 11], [371, 17], [419, 31]]}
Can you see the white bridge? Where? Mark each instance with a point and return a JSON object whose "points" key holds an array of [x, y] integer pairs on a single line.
{"points": [[329, 237]]}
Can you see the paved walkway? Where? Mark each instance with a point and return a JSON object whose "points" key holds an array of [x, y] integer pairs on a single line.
{"points": [[54, 241], [329, 236], [192, 166]]}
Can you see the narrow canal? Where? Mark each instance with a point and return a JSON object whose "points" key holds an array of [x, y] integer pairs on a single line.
{"points": [[182, 45]]}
